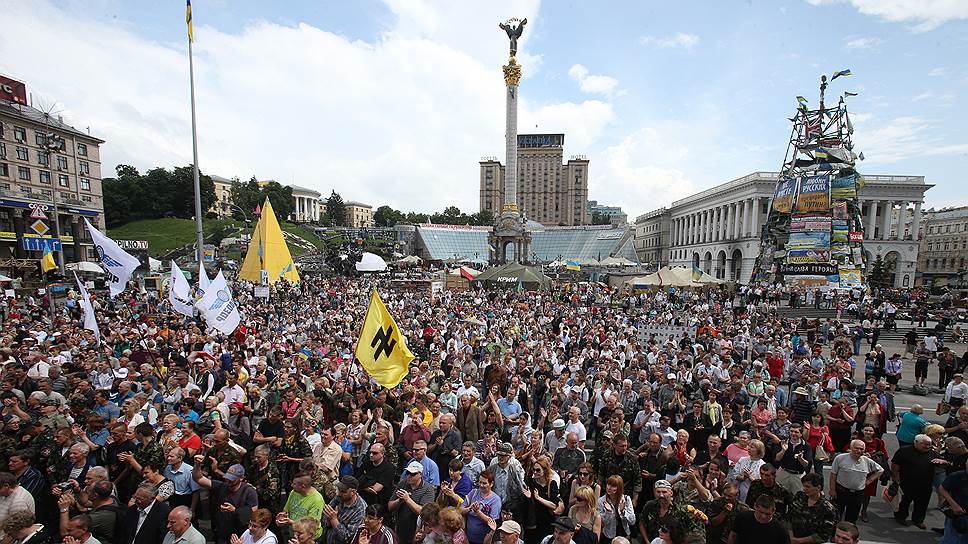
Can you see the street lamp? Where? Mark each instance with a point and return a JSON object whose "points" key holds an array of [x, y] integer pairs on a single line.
{"points": [[52, 144], [244, 215]]}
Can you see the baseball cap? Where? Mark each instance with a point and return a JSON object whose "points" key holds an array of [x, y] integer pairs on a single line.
{"points": [[234, 473], [662, 484], [558, 424], [414, 467], [671, 376], [505, 449], [347, 482], [563, 523], [510, 527]]}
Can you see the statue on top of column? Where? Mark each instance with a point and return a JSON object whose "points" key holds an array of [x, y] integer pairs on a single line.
{"points": [[514, 31]]}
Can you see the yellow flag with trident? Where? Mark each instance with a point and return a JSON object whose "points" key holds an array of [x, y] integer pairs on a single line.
{"points": [[381, 349]]}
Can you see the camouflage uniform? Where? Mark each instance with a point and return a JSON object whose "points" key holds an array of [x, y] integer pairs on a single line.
{"points": [[815, 521], [626, 466], [224, 459], [719, 534], [150, 454], [54, 421], [8, 445], [693, 521], [782, 497], [267, 485]]}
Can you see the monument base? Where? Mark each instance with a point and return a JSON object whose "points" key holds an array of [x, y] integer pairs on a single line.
{"points": [[510, 232]]}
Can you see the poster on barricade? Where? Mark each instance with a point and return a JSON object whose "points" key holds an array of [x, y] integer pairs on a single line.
{"points": [[662, 332]]}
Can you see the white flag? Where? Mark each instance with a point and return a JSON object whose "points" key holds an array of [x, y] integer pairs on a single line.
{"points": [[118, 263], [90, 320], [203, 282], [179, 292], [218, 307]]}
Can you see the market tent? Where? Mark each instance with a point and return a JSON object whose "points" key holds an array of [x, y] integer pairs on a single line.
{"points": [[371, 262], [465, 271], [514, 274], [617, 261], [672, 277], [5, 278], [409, 259], [84, 266]]}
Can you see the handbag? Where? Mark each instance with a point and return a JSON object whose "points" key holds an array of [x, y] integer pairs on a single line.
{"points": [[821, 453], [960, 521], [943, 408]]}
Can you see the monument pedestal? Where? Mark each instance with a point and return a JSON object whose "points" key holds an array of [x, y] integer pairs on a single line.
{"points": [[510, 239]]}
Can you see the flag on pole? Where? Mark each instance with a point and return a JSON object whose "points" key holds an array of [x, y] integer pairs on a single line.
{"points": [[118, 263], [802, 101], [696, 273], [188, 20], [47, 263], [572, 265], [90, 320], [179, 292], [218, 307], [848, 93], [843, 73], [203, 282], [381, 349]]}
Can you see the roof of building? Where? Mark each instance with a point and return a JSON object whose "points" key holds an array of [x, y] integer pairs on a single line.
{"points": [[297, 188], [356, 204], [947, 213], [33, 115], [446, 242], [220, 179]]}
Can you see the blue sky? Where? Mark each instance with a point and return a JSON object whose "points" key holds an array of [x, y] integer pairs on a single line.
{"points": [[394, 102]]}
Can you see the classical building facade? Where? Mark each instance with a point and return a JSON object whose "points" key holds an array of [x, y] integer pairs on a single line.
{"points": [[38, 173], [944, 247], [718, 229], [549, 190], [307, 204], [358, 215], [651, 238]]}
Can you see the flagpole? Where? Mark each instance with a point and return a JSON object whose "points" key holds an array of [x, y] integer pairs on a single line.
{"points": [[199, 233]]}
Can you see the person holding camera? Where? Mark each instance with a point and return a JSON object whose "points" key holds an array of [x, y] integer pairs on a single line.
{"points": [[794, 459]]}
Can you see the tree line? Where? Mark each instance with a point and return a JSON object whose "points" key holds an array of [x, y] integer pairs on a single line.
{"points": [[157, 193]]}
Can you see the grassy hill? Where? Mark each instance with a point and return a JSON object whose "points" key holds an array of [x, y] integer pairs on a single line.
{"points": [[164, 235]]}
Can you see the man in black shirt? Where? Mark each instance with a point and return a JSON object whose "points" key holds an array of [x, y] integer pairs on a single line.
{"points": [[759, 526], [377, 477], [913, 469]]}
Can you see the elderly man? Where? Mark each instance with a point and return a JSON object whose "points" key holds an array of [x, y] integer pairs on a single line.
{"points": [[556, 437], [180, 474], [913, 467], [145, 522], [445, 442], [568, 458], [78, 531], [180, 528], [234, 498], [431, 472], [850, 474], [409, 500], [575, 425], [473, 467], [13, 498]]}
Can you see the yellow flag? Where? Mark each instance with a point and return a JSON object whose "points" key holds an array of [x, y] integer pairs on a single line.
{"points": [[188, 19], [381, 349], [47, 263]]}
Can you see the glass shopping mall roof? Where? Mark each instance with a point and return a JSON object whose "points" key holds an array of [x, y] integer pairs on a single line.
{"points": [[459, 243]]}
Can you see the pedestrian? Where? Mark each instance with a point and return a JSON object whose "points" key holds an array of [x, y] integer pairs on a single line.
{"points": [[758, 525], [913, 469], [850, 474]]}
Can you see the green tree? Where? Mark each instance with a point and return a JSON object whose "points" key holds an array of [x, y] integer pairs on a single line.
{"points": [[336, 209], [416, 218], [246, 195], [482, 218], [879, 275], [280, 197], [385, 216]]}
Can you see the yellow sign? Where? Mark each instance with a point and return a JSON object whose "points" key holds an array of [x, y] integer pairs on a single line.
{"points": [[39, 227], [381, 349]]}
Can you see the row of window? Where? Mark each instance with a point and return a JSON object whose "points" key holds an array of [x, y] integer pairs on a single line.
{"points": [[43, 159], [941, 229], [946, 245], [43, 176], [20, 135], [941, 264]]}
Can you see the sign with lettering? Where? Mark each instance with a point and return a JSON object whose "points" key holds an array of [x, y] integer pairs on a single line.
{"points": [[810, 221], [808, 256], [133, 245], [814, 194], [808, 269], [13, 90], [783, 199], [541, 140], [663, 332]]}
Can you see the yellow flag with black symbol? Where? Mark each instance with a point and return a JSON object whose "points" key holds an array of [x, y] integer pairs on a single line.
{"points": [[381, 349]]}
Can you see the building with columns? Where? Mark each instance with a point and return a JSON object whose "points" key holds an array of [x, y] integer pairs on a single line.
{"points": [[651, 238], [718, 229], [307, 204]]}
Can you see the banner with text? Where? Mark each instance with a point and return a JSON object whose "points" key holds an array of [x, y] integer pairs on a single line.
{"points": [[783, 199], [811, 239], [814, 194]]}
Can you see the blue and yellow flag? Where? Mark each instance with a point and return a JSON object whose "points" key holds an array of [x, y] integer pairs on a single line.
{"points": [[843, 73], [696, 273], [47, 263], [821, 153], [572, 265], [188, 20], [381, 349]]}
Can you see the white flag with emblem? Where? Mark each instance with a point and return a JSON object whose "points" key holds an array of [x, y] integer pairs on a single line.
{"points": [[179, 292], [90, 320], [218, 307], [118, 263], [203, 281]]}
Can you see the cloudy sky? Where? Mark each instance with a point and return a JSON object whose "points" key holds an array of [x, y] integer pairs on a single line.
{"points": [[395, 101]]}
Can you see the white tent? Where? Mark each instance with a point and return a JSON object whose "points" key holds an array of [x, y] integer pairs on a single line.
{"points": [[465, 271], [673, 277], [371, 262], [409, 259], [617, 261], [5, 278], [84, 266]]}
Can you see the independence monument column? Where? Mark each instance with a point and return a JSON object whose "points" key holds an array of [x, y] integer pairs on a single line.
{"points": [[509, 233]]}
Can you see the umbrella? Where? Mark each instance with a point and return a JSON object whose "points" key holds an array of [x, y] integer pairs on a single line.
{"points": [[371, 262]]}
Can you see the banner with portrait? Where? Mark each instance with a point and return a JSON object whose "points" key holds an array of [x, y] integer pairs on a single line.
{"points": [[813, 239]]}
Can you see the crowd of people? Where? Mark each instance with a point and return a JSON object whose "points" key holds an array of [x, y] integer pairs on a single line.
{"points": [[527, 417]]}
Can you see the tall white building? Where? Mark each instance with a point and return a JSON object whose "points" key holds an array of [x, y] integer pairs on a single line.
{"points": [[718, 229]]}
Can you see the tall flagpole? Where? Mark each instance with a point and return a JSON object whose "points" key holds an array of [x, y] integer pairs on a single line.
{"points": [[199, 233]]}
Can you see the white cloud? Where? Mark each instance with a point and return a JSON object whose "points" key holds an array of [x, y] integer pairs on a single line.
{"points": [[679, 40], [901, 138], [926, 14], [863, 43], [387, 121], [937, 72], [591, 83]]}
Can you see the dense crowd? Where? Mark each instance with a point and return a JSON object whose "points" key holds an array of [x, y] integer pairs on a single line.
{"points": [[527, 417]]}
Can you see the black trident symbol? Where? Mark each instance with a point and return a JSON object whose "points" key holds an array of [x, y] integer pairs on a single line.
{"points": [[382, 337]]}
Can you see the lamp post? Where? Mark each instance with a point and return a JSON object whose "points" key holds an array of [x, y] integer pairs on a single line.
{"points": [[52, 145]]}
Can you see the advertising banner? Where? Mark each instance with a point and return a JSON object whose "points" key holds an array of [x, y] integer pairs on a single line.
{"points": [[811, 239], [783, 199], [808, 256], [13, 90], [856, 236], [844, 188], [808, 269], [814, 194], [810, 221]]}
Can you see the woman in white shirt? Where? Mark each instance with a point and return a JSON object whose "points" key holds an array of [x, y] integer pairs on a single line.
{"points": [[618, 513], [258, 531], [747, 469]]}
